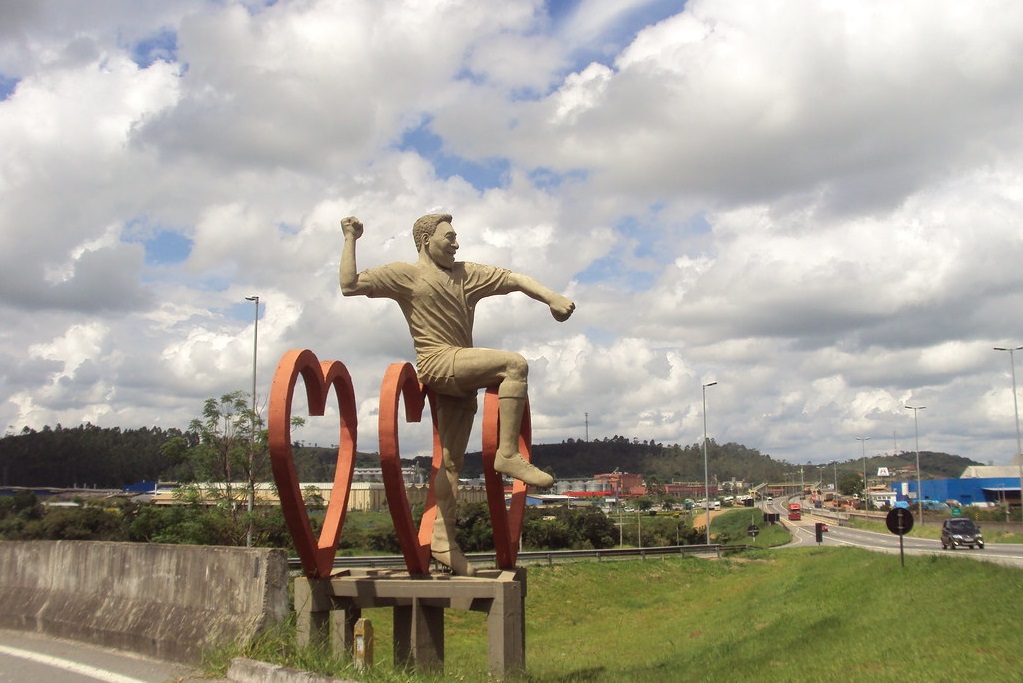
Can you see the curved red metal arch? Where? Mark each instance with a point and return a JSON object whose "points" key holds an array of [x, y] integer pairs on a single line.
{"points": [[317, 556], [400, 382]]}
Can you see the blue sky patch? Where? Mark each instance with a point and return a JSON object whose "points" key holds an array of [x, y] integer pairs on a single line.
{"points": [[614, 271], [641, 253], [616, 34], [699, 224], [7, 86], [245, 310], [483, 175], [161, 46], [561, 9], [549, 179], [166, 248]]}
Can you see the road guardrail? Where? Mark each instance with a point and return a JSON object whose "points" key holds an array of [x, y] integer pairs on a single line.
{"points": [[548, 557]]}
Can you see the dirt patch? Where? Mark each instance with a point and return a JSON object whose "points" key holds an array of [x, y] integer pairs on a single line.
{"points": [[700, 520]]}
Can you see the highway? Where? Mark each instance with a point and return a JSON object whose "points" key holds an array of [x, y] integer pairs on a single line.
{"points": [[32, 657], [803, 535]]}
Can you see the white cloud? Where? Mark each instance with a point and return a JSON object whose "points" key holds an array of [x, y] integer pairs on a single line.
{"points": [[816, 205]]}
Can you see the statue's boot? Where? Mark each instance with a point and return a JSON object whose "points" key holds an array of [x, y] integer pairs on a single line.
{"points": [[454, 559], [517, 467], [443, 546], [511, 405]]}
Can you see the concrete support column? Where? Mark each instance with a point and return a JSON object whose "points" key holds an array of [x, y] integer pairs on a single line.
{"points": [[327, 610]]}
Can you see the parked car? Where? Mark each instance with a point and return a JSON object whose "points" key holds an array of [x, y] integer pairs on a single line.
{"points": [[960, 531]]}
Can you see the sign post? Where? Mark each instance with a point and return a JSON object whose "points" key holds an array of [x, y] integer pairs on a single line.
{"points": [[899, 522]]}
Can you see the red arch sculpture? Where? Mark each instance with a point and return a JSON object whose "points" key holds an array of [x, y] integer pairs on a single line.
{"points": [[317, 556], [400, 383]]}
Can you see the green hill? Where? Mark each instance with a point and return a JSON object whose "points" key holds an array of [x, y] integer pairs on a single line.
{"points": [[573, 459], [110, 458]]}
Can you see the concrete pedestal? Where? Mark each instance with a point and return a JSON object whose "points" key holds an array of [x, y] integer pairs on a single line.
{"points": [[327, 610]]}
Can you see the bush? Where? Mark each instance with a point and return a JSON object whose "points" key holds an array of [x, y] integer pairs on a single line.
{"points": [[565, 527], [83, 524]]}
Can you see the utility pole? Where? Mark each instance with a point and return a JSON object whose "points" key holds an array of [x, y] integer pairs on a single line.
{"points": [[252, 444]]}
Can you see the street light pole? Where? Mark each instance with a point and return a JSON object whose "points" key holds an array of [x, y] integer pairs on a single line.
{"points": [[706, 475], [252, 445], [919, 490], [1015, 410], [863, 448]]}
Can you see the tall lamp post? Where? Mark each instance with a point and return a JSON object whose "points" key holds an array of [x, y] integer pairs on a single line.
{"points": [[863, 448], [1015, 410], [919, 490], [706, 475], [252, 445]]}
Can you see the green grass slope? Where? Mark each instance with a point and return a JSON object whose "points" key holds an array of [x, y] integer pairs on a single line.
{"points": [[811, 614], [793, 615]]}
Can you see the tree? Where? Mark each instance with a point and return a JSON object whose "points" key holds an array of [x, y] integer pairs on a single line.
{"points": [[591, 528], [850, 483], [20, 516], [226, 446], [313, 498]]}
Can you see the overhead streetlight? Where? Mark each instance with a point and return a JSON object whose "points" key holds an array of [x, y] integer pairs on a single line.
{"points": [[863, 448], [706, 475], [252, 445], [919, 490], [1015, 410]]}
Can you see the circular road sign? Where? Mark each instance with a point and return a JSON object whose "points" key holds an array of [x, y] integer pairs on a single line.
{"points": [[753, 530], [899, 521]]}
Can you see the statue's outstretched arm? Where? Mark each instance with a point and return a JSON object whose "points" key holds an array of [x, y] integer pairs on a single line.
{"points": [[348, 273], [561, 306]]}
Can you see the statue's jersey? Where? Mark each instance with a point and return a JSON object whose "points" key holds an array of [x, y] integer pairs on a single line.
{"points": [[439, 306]]}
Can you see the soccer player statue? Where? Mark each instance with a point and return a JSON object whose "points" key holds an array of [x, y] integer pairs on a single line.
{"points": [[438, 297]]}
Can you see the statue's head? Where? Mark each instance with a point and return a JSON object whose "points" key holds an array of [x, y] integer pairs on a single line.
{"points": [[425, 226], [437, 245]]}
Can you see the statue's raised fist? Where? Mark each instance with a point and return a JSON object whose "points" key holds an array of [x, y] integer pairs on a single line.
{"points": [[352, 227]]}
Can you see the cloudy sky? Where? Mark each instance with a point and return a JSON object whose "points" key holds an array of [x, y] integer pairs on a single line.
{"points": [[819, 206]]}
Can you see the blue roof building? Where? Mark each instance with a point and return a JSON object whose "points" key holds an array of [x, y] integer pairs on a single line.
{"points": [[977, 485]]}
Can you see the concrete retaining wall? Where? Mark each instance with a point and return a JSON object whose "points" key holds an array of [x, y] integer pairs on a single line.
{"points": [[167, 601]]}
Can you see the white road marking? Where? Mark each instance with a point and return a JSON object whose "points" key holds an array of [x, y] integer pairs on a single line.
{"points": [[68, 665]]}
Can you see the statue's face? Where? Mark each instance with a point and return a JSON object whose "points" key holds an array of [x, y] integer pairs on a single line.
{"points": [[443, 245]]}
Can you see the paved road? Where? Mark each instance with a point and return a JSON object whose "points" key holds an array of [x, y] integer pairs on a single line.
{"points": [[1010, 554], [31, 657]]}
